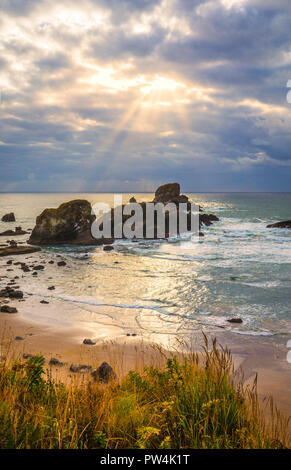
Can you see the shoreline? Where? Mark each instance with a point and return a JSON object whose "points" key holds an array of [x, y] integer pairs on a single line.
{"points": [[262, 356]]}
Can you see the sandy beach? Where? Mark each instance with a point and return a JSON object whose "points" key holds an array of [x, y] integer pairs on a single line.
{"points": [[264, 356]]}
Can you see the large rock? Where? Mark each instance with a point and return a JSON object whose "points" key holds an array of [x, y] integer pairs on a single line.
{"points": [[8, 217], [283, 224], [104, 373], [69, 224], [167, 192]]}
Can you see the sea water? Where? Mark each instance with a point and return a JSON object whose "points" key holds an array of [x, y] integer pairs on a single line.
{"points": [[238, 269]]}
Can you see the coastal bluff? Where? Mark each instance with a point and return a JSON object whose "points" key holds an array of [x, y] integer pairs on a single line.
{"points": [[71, 222]]}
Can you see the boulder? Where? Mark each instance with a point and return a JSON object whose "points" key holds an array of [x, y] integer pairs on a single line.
{"points": [[235, 320], [62, 263], [16, 294], [69, 224], [25, 269], [104, 373], [8, 217], [283, 224], [7, 309]]}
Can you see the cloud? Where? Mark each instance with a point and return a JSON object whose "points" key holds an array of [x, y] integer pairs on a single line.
{"points": [[18, 7], [125, 95]]}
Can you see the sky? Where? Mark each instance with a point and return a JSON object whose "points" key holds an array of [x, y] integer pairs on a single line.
{"points": [[125, 95]]}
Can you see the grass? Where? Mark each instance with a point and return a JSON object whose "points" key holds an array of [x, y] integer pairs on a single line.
{"points": [[196, 401]]}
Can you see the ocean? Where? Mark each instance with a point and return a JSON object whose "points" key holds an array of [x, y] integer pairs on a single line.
{"points": [[168, 289]]}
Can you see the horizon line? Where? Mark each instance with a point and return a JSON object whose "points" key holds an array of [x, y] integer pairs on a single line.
{"points": [[143, 192]]}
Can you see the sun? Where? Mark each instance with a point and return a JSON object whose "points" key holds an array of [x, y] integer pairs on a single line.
{"points": [[161, 85], [161, 91]]}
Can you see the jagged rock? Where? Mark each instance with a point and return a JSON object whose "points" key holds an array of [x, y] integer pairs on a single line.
{"points": [[283, 224], [8, 217], [51, 288], [23, 250], [44, 302], [7, 309], [69, 224], [207, 219], [104, 373]]}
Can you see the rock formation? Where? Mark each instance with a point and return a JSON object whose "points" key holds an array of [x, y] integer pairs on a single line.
{"points": [[167, 192], [18, 231], [283, 224], [8, 217], [104, 373], [71, 222]]}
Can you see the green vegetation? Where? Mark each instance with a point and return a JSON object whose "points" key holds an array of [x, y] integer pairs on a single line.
{"points": [[191, 402]]}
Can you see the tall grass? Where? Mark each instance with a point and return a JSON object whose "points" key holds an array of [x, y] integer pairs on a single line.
{"points": [[196, 401]]}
